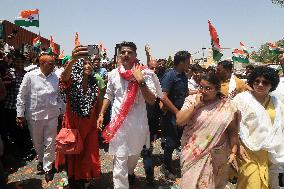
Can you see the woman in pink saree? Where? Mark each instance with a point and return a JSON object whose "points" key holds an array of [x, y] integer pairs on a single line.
{"points": [[210, 137]]}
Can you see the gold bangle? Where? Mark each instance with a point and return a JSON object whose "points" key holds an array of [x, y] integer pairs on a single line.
{"points": [[101, 114]]}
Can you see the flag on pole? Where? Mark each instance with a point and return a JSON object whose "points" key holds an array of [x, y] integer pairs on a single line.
{"points": [[217, 55], [76, 41], [241, 56], [100, 45], [61, 56], [101, 49], [244, 47], [274, 49], [36, 41], [52, 49], [104, 50], [28, 18]]}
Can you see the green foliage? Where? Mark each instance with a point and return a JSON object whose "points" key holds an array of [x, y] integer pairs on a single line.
{"points": [[264, 55], [170, 62]]}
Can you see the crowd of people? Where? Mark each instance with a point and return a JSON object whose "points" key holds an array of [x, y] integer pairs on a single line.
{"points": [[224, 128]]}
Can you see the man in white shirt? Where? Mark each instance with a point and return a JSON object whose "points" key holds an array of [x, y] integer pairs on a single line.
{"points": [[133, 132], [37, 102], [193, 82]]}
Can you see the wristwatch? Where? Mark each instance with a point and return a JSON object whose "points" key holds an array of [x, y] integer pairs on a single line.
{"points": [[142, 84]]}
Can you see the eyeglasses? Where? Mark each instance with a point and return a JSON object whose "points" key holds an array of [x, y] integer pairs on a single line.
{"points": [[206, 88], [263, 82]]}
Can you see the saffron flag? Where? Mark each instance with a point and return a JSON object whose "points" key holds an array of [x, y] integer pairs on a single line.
{"points": [[61, 56], [217, 55], [28, 18], [52, 49], [76, 41]]}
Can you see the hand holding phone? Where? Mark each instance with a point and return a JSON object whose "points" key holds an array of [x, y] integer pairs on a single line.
{"points": [[79, 52], [93, 50]]}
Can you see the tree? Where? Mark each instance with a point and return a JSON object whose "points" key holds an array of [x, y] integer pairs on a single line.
{"points": [[278, 2], [170, 62], [264, 55]]}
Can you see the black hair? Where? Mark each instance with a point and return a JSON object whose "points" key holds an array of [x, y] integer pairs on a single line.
{"points": [[226, 64], [18, 55], [181, 56], [127, 44], [196, 68], [250, 67], [161, 60], [210, 69], [97, 58], [213, 79], [268, 73]]}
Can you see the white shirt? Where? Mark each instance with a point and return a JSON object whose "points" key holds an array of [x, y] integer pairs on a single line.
{"points": [[30, 67], [192, 85], [279, 91], [58, 71], [133, 133], [38, 96]]}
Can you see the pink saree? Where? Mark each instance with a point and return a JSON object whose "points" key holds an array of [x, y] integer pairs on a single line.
{"points": [[205, 146]]}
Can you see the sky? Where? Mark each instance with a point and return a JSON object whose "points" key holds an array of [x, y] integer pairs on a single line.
{"points": [[166, 25]]}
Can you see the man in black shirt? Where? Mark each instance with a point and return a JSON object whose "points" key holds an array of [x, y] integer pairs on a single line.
{"points": [[175, 89]]}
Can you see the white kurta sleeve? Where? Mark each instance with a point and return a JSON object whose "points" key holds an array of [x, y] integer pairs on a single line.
{"points": [[158, 86], [110, 88], [22, 97], [149, 79]]}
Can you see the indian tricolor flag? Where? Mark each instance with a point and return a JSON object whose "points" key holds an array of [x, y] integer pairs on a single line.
{"points": [[244, 47], [217, 55], [61, 56], [239, 55], [28, 18], [274, 49], [36, 41]]}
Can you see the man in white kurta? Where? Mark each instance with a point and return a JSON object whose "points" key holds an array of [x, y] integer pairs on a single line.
{"points": [[38, 103], [129, 140]]}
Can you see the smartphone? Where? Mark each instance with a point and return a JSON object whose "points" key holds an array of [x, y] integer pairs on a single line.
{"points": [[93, 50]]}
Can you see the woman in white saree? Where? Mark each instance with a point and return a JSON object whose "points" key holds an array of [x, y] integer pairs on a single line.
{"points": [[261, 132]]}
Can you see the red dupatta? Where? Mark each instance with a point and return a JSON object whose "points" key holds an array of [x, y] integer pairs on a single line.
{"points": [[132, 89]]}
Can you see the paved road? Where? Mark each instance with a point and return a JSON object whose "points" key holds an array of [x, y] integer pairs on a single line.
{"points": [[24, 175]]}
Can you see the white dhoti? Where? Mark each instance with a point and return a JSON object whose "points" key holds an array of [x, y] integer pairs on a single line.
{"points": [[122, 167], [43, 133]]}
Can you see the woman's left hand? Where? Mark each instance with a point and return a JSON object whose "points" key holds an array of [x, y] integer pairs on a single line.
{"points": [[233, 161]]}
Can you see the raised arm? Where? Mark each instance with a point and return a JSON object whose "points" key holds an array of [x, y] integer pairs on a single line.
{"points": [[148, 95], [185, 114], [77, 53], [148, 54]]}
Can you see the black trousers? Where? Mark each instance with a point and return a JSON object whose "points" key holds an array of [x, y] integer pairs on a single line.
{"points": [[20, 137], [172, 135]]}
